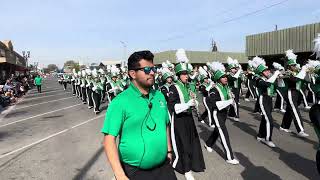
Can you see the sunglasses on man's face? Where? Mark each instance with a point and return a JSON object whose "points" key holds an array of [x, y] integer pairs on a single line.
{"points": [[147, 69]]}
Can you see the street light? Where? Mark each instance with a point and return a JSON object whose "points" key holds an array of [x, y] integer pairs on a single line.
{"points": [[26, 56], [124, 52]]}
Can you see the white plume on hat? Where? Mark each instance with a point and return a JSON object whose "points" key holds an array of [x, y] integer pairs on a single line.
{"points": [[83, 73], [164, 65], [313, 64], [316, 49], [291, 55], [114, 70], [217, 66], [94, 72], [88, 71], [250, 63], [277, 66], [230, 60], [256, 61], [202, 71], [101, 71], [181, 56], [74, 71]]}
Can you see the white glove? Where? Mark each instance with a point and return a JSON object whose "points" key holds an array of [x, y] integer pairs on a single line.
{"points": [[82, 85], [112, 90], [191, 102], [94, 88], [179, 108], [237, 74], [302, 74], [273, 78], [223, 104]]}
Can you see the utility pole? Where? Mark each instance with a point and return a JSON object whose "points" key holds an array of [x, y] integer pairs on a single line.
{"points": [[124, 53]]}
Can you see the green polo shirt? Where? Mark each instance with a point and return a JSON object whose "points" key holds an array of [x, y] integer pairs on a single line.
{"points": [[38, 80], [143, 138]]}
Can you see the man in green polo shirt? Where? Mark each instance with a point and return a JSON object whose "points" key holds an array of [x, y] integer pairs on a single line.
{"points": [[38, 83], [139, 116]]}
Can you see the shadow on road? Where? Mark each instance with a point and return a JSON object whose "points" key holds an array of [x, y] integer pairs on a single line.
{"points": [[17, 113], [301, 165], [253, 172], [83, 171], [50, 117]]}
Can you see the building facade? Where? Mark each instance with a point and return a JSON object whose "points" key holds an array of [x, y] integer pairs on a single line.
{"points": [[200, 57], [11, 62], [272, 45]]}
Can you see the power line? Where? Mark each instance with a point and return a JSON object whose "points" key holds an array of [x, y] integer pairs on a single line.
{"points": [[224, 22]]}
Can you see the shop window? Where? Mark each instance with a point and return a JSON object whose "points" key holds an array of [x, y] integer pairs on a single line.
{"points": [[2, 53]]}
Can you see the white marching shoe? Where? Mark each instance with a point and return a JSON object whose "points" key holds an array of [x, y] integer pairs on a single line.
{"points": [[302, 134], [282, 110], [189, 176], [270, 144], [285, 130], [209, 149], [202, 121], [233, 161], [307, 107], [235, 119]]}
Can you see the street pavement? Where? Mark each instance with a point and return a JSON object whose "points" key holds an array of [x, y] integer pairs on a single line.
{"points": [[53, 135]]}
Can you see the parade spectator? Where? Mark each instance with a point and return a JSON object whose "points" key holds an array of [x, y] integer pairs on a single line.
{"points": [[38, 83]]}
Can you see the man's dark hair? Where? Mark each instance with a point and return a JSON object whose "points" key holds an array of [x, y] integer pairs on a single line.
{"points": [[136, 57]]}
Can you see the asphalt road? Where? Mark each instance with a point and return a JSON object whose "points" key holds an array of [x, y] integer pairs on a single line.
{"points": [[52, 135]]}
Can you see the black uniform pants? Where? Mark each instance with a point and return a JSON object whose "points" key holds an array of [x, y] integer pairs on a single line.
{"points": [[39, 88], [292, 111], [221, 131], [65, 85], [96, 97], [162, 172], [266, 124], [281, 97], [73, 88], [79, 92], [103, 95], [84, 94], [234, 112], [89, 97], [251, 91]]}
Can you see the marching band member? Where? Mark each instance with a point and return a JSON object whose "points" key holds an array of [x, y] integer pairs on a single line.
{"points": [[89, 86], [103, 80], [281, 89], [234, 82], [114, 87], [167, 81], [97, 88], [83, 87], [185, 140], [219, 100], [204, 88], [73, 82], [250, 83], [293, 80], [266, 86]]}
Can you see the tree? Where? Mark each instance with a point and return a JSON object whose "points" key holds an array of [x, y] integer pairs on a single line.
{"points": [[71, 65], [46, 70], [52, 67]]}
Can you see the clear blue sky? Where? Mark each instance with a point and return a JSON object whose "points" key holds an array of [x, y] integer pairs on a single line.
{"points": [[58, 30]]}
